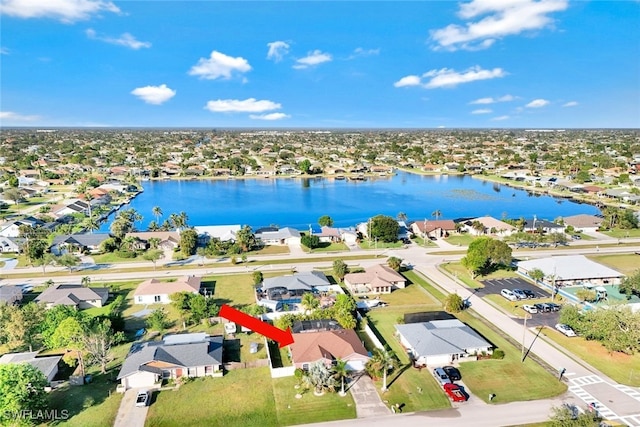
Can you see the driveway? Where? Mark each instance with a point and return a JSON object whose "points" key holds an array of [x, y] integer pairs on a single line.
{"points": [[366, 398], [129, 415]]}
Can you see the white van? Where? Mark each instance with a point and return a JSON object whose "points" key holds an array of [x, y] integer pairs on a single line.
{"points": [[508, 295]]}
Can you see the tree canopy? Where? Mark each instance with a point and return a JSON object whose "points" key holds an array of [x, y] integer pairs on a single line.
{"points": [[325, 221], [486, 254], [384, 228], [21, 389]]}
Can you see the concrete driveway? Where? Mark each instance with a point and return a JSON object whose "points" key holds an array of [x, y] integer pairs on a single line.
{"points": [[366, 398], [129, 415]]}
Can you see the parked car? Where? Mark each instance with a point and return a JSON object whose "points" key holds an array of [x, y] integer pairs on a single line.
{"points": [[455, 393], [542, 308], [441, 376], [453, 373], [529, 294], [565, 329], [508, 295], [363, 297], [554, 306], [530, 308], [576, 237], [142, 399], [519, 293]]}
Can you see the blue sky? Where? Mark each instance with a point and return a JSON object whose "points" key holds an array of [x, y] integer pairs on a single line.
{"points": [[285, 64]]}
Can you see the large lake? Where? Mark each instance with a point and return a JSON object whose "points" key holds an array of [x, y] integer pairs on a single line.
{"points": [[298, 202]]}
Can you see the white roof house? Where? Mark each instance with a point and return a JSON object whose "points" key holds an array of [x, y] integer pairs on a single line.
{"points": [[572, 270], [224, 233], [441, 341]]}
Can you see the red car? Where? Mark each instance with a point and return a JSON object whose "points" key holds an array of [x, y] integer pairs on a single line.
{"points": [[455, 393]]}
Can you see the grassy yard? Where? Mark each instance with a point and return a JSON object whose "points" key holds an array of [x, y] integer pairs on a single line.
{"points": [[620, 367], [309, 408], [417, 389], [460, 239], [506, 377], [236, 289], [366, 244], [624, 263], [112, 258], [243, 397], [270, 250], [621, 234], [329, 247], [425, 243], [462, 274]]}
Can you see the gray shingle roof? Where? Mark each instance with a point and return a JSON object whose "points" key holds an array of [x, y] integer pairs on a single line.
{"points": [[441, 337], [189, 350], [305, 281], [81, 239]]}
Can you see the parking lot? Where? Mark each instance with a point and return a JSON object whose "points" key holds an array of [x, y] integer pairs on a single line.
{"points": [[494, 286]]}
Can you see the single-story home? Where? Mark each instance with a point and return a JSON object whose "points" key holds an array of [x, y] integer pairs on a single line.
{"points": [[10, 294], [168, 240], [439, 228], [490, 225], [78, 242], [583, 222], [74, 295], [377, 279], [571, 270], [328, 234], [48, 365], [9, 245], [277, 291], [278, 236], [153, 291], [534, 224], [12, 229], [175, 356], [328, 346], [441, 342], [224, 233]]}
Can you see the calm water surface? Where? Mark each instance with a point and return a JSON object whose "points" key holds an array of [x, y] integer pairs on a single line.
{"points": [[298, 202]]}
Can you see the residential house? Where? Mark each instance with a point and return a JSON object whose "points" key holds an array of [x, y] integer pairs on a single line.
{"points": [[274, 292], [10, 245], [48, 365], [437, 229], [328, 234], [153, 291], [78, 243], [73, 295], [489, 225], [10, 294], [441, 342], [583, 222], [168, 240], [278, 236], [79, 206], [224, 233], [349, 236], [377, 279], [327, 347], [12, 229], [174, 357], [534, 224]]}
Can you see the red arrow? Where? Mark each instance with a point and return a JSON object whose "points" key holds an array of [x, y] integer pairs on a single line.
{"points": [[284, 338]]}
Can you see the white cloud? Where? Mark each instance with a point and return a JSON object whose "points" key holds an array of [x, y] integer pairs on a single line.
{"points": [[64, 10], [500, 118], [313, 58], [360, 52], [125, 39], [277, 50], [250, 105], [482, 111], [270, 116], [490, 100], [408, 81], [537, 103], [570, 104], [16, 117], [446, 77], [4, 51], [219, 65], [497, 19], [155, 95]]}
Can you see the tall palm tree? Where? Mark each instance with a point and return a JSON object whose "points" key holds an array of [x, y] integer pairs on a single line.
{"points": [[340, 372], [157, 212], [382, 362], [309, 301], [436, 214]]}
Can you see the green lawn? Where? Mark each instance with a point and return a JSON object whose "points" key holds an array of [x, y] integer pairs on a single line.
{"points": [[329, 247], [412, 295], [236, 289], [270, 250], [366, 244], [624, 263], [460, 239], [417, 389], [509, 378], [621, 367], [621, 234], [243, 397], [422, 242], [112, 258], [309, 408]]}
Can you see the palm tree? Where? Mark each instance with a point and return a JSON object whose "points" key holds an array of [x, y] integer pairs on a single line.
{"points": [[382, 362], [401, 216], [309, 301], [436, 214], [340, 372], [157, 212], [85, 281]]}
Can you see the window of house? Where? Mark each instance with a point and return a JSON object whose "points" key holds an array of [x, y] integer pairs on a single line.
{"points": [[208, 370], [156, 298], [305, 366]]}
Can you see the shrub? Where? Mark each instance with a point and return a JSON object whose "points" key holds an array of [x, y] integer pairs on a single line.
{"points": [[125, 254], [497, 354]]}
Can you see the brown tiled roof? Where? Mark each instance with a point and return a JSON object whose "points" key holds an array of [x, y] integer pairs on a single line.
{"points": [[341, 344], [156, 287], [445, 224], [377, 275]]}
